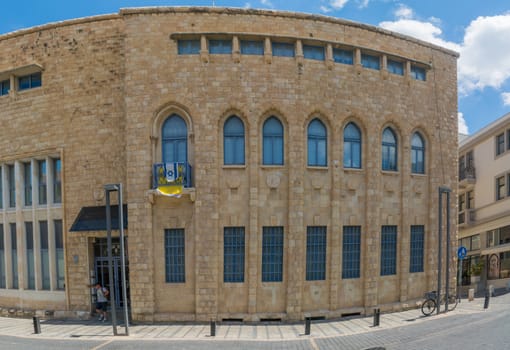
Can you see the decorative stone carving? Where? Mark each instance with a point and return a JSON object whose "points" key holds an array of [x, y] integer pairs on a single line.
{"points": [[273, 180]]}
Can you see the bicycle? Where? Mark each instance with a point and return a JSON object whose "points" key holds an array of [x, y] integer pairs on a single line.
{"points": [[430, 303]]}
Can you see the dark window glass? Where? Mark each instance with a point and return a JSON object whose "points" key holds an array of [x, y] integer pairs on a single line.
{"points": [[12, 186], [29, 235], [500, 144], [14, 256], [416, 259], [233, 254], [188, 47], [29, 81], [233, 141], [343, 56], [283, 49], [388, 250], [5, 86], [42, 181], [369, 61], [500, 188], [57, 181], [417, 154], [313, 52], [316, 253], [27, 178], [272, 144], [351, 251], [3, 277], [352, 146], [317, 144], [174, 140], [45, 259], [396, 67], [59, 252], [389, 150], [418, 73], [250, 47], [174, 256], [272, 254], [1, 189], [222, 47]]}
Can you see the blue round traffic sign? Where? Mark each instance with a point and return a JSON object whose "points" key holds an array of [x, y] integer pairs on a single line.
{"points": [[462, 252]]}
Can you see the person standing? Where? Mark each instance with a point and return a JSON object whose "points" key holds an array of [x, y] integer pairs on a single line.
{"points": [[101, 301]]}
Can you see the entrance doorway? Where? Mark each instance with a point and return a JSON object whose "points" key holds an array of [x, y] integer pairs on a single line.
{"points": [[101, 268]]}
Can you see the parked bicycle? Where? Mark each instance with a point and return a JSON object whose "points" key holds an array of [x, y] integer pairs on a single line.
{"points": [[430, 303]]}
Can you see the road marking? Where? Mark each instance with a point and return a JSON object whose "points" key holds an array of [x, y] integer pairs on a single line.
{"points": [[314, 345], [102, 345]]}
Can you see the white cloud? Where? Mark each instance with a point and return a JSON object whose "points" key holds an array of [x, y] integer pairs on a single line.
{"points": [[267, 3], [485, 54], [404, 12], [506, 98], [338, 4], [325, 9], [463, 128], [247, 5], [363, 3]]}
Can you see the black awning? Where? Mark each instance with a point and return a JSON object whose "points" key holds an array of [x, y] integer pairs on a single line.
{"points": [[94, 218]]}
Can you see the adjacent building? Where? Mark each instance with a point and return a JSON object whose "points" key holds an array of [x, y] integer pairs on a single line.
{"points": [[484, 206], [310, 150]]}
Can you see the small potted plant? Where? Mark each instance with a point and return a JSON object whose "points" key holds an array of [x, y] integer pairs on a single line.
{"points": [[476, 271]]}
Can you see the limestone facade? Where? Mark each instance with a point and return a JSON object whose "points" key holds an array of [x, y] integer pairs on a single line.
{"points": [[109, 83]]}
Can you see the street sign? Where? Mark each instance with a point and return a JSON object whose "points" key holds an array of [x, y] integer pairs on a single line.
{"points": [[462, 252]]}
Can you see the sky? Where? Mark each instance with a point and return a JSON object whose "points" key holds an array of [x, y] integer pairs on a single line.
{"points": [[478, 30]]}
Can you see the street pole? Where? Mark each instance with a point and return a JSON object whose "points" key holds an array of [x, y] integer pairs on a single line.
{"points": [[123, 259], [447, 190], [447, 282], [439, 250], [110, 261]]}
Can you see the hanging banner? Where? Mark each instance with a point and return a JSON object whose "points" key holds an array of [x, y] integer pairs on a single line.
{"points": [[170, 178]]}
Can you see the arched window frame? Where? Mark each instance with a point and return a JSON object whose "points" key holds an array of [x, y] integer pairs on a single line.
{"points": [[174, 132], [389, 150], [273, 142], [233, 141], [317, 140], [352, 146], [417, 153]]}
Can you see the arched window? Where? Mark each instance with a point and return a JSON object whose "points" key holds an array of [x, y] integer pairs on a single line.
{"points": [[317, 144], [233, 141], [272, 153], [417, 154], [352, 146], [174, 140], [389, 150]]}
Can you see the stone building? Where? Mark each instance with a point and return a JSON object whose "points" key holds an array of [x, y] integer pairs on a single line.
{"points": [[483, 207], [311, 150]]}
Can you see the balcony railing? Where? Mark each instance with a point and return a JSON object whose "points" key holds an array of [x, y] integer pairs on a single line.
{"points": [[467, 175], [163, 175], [466, 217]]}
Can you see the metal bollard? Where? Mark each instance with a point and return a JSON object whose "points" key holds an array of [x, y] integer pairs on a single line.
{"points": [[377, 316], [487, 298], [37, 325], [308, 325], [213, 328]]}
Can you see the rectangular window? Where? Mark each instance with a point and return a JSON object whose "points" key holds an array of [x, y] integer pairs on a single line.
{"points": [[316, 253], [370, 61], [396, 67], [508, 139], [174, 256], [221, 47], [418, 73], [45, 257], [470, 204], [314, 52], [500, 187], [57, 180], [462, 202], [417, 238], [12, 186], [188, 47], [14, 256], [283, 49], [29, 81], [251, 47], [272, 254], [343, 56], [508, 185], [233, 254], [5, 86], [388, 250], [59, 251], [500, 144], [27, 179], [2, 258], [29, 233], [475, 242], [42, 176], [351, 252]]}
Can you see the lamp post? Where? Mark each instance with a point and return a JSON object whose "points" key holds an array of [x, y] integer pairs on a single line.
{"points": [[447, 191], [116, 188]]}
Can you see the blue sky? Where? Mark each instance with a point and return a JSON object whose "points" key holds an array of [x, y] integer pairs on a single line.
{"points": [[478, 30]]}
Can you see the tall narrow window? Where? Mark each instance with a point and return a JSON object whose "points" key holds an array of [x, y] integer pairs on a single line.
{"points": [[500, 187], [5, 86], [416, 259], [317, 144], [389, 150], [233, 254], [45, 256], [2, 258], [27, 179], [174, 256], [316, 253], [12, 186], [233, 141], [42, 179], [389, 250], [273, 142], [29, 233], [417, 154], [59, 251], [352, 146], [500, 144], [57, 180], [14, 256], [351, 249], [1, 188], [174, 140], [222, 47], [282, 49], [272, 254]]}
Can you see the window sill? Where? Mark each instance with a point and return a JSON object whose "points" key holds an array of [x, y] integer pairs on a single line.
{"points": [[390, 172], [233, 166], [269, 166], [316, 167]]}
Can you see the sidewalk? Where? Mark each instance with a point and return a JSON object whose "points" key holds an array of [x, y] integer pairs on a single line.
{"points": [[93, 329]]}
